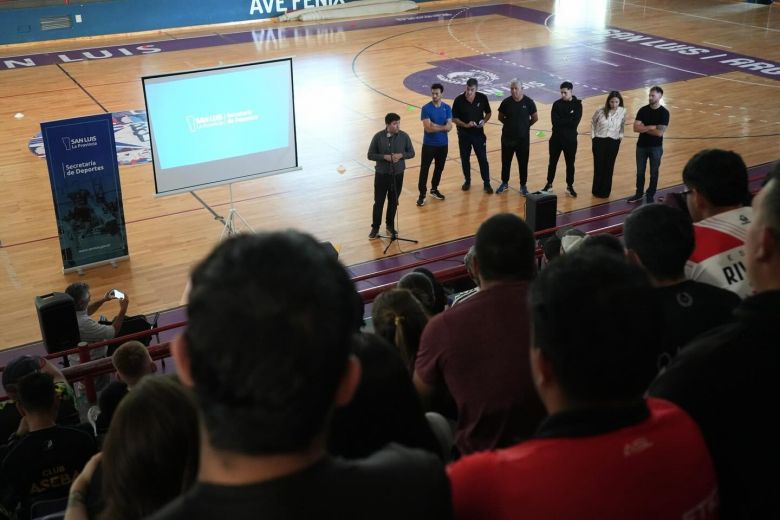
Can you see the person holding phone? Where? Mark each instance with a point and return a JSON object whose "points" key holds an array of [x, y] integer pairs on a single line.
{"points": [[91, 330]]}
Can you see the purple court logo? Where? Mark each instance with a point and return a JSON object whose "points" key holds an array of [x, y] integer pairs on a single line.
{"points": [[131, 132]]}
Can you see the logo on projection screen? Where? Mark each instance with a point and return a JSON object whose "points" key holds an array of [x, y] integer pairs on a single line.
{"points": [[131, 132]]}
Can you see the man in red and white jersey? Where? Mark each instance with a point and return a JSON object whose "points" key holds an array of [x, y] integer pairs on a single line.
{"points": [[719, 202]]}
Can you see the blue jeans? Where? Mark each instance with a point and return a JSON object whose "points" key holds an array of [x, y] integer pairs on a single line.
{"points": [[653, 153]]}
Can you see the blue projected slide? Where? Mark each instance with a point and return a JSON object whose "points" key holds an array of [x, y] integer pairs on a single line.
{"points": [[221, 125]]}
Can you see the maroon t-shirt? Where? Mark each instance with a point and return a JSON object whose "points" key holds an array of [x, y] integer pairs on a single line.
{"points": [[479, 349]]}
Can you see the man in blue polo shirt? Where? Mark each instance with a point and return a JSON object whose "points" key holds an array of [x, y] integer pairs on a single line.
{"points": [[436, 118]]}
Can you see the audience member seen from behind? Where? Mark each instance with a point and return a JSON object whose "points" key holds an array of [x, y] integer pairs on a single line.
{"points": [[400, 319], [267, 351], [478, 350], [385, 407], [718, 200], [10, 417], [727, 379], [131, 362], [421, 287], [604, 451], [43, 461], [439, 293], [468, 263], [659, 238], [150, 455]]}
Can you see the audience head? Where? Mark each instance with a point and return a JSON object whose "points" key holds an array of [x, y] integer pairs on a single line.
{"points": [[385, 407], [150, 453], [468, 262], [552, 247], [36, 396], [717, 180], [439, 294], [17, 369], [267, 346], [593, 320], [399, 318], [132, 362], [606, 242], [762, 244], [660, 238], [505, 249], [422, 289], [79, 291], [571, 239]]}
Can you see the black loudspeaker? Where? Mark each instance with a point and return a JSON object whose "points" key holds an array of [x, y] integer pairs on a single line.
{"points": [[57, 318], [540, 210]]}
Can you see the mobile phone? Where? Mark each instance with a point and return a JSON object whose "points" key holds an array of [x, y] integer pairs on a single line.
{"points": [[119, 295]]}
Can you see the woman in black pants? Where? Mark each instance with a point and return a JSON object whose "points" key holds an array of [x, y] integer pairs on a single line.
{"points": [[606, 130]]}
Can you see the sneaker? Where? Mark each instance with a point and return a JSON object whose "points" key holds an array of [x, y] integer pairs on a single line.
{"points": [[636, 198], [421, 201], [466, 186], [436, 194], [488, 188], [523, 190], [374, 234], [649, 199], [548, 187], [570, 191], [502, 188], [392, 232]]}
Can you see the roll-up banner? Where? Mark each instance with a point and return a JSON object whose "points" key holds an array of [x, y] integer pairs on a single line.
{"points": [[84, 175]]}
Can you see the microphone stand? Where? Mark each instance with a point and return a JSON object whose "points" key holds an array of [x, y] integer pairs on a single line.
{"points": [[394, 192]]}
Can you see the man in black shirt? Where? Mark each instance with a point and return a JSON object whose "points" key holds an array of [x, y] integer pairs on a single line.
{"points": [[566, 114], [518, 114], [727, 379], [470, 113], [267, 350], [660, 238], [389, 148], [650, 123], [42, 463]]}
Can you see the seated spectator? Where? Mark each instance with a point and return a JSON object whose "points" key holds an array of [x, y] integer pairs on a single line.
{"points": [[659, 238], [150, 455], [439, 293], [606, 242], [399, 318], [604, 452], [571, 239], [267, 351], [719, 203], [385, 407], [727, 379], [422, 289], [131, 362], [468, 262], [478, 350], [19, 367], [41, 464], [93, 331]]}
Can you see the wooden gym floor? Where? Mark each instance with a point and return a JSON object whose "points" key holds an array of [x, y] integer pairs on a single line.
{"points": [[348, 74]]}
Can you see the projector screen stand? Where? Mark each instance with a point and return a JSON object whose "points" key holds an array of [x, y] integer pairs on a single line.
{"points": [[230, 227]]}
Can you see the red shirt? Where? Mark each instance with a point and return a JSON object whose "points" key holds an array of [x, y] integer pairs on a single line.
{"points": [[654, 469]]}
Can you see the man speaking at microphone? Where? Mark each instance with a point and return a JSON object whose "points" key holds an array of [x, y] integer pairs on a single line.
{"points": [[389, 148]]}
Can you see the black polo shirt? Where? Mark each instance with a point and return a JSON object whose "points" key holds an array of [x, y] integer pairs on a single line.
{"points": [[474, 111]]}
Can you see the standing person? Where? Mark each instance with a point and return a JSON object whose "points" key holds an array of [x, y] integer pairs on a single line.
{"points": [[518, 114], [606, 131], [436, 118], [470, 112], [389, 148], [650, 123], [566, 114]]}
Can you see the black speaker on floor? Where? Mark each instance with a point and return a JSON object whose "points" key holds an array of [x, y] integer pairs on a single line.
{"points": [[540, 210], [57, 318]]}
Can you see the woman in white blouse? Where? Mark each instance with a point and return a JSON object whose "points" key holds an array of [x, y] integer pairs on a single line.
{"points": [[606, 130]]}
